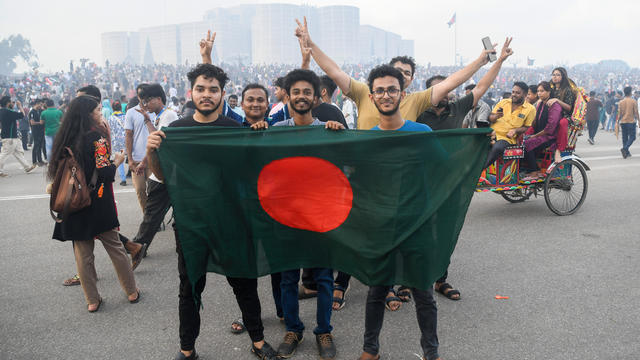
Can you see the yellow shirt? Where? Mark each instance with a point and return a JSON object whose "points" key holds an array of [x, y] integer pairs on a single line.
{"points": [[512, 119], [368, 116]]}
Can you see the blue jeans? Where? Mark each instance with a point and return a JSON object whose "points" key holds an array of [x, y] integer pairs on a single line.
{"points": [[123, 174], [48, 144], [289, 287], [628, 135]]}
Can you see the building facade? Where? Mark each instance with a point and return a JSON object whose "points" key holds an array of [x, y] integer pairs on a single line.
{"points": [[258, 34]]}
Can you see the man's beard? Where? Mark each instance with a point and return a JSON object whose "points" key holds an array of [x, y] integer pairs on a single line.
{"points": [[519, 102], [208, 112], [390, 112], [301, 111]]}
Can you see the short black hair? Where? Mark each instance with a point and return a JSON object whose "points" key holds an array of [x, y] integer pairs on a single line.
{"points": [[302, 75], [327, 83], [233, 96], [533, 88], [141, 87], [433, 78], [208, 71], [5, 100], [405, 60], [154, 90], [116, 106], [90, 90], [382, 71], [627, 91], [506, 94], [255, 86], [523, 86], [592, 93], [49, 103], [470, 87], [279, 82]]}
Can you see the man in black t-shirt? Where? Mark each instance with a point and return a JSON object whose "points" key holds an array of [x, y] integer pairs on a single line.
{"points": [[207, 87], [10, 143], [325, 109], [37, 130]]}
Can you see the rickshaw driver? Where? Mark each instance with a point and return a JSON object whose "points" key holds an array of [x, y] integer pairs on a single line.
{"points": [[509, 119]]}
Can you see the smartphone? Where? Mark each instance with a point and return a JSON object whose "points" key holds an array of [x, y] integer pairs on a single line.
{"points": [[489, 46]]}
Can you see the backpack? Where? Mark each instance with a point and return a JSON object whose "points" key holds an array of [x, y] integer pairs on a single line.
{"points": [[70, 191]]}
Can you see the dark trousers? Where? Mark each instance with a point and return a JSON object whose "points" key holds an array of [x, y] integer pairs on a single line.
{"points": [[308, 282], [531, 155], [628, 135], [38, 151], [155, 209], [25, 139], [443, 279], [496, 152], [188, 310], [246, 292], [426, 312], [593, 128], [342, 280]]}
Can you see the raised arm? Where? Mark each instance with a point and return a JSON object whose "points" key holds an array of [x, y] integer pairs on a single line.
{"points": [[326, 63], [442, 89], [306, 55], [206, 47], [486, 81]]}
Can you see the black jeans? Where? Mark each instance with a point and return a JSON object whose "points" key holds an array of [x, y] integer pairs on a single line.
{"points": [[443, 279], [593, 128], [38, 151], [246, 292], [426, 312], [158, 203], [25, 139], [188, 310], [496, 152]]}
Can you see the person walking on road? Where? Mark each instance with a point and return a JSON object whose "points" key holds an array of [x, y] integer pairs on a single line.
{"points": [[10, 143], [627, 117], [85, 133]]}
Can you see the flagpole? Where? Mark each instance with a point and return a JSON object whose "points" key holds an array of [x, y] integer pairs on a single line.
{"points": [[455, 40]]}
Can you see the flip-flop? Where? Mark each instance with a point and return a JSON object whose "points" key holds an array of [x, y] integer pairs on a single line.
{"points": [[405, 292], [72, 281], [137, 259], [340, 300], [389, 299], [241, 324], [134, 301], [97, 307]]}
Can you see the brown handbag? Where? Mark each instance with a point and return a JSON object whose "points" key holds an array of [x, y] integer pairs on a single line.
{"points": [[70, 191]]}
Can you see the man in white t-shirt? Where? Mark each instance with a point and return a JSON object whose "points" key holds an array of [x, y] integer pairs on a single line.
{"points": [[158, 202], [136, 133]]}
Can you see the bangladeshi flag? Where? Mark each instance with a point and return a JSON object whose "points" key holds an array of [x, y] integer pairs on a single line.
{"points": [[383, 206]]}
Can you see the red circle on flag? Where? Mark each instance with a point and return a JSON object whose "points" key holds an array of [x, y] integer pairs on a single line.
{"points": [[305, 193]]}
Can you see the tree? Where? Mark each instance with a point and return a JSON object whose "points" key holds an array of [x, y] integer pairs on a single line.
{"points": [[13, 47]]}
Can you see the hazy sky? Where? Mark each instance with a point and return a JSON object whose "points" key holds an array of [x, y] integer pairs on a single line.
{"points": [[559, 32]]}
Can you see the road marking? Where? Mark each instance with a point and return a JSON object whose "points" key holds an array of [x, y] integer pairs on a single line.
{"points": [[615, 166], [44, 196], [596, 158]]}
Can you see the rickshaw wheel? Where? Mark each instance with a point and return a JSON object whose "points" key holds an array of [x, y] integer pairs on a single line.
{"points": [[515, 196], [565, 187]]}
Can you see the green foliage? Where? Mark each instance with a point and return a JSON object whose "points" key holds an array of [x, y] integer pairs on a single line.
{"points": [[12, 48]]}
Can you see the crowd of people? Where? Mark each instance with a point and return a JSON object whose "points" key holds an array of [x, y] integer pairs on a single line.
{"points": [[117, 112]]}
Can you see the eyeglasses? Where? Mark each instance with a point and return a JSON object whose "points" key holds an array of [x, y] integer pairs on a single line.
{"points": [[392, 91]]}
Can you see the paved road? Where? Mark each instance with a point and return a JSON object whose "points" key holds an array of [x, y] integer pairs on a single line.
{"points": [[572, 282]]}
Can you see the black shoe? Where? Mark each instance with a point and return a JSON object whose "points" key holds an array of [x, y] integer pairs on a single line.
{"points": [[590, 141], [326, 347], [181, 356], [123, 183], [624, 153], [288, 346], [266, 353]]}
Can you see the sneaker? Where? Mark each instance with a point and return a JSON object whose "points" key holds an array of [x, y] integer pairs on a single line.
{"points": [[590, 141], [326, 347], [2, 174], [624, 153], [181, 356], [288, 346], [123, 183], [266, 353], [30, 168]]}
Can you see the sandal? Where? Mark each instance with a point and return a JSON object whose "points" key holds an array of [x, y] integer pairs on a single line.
{"points": [[136, 259], [97, 307], [404, 293], [389, 299], [134, 301], [72, 281], [448, 291], [240, 324], [339, 300]]}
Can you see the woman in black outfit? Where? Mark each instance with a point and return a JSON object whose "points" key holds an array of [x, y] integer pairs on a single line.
{"points": [[85, 132]]}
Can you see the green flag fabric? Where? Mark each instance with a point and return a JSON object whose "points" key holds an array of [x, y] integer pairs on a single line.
{"points": [[384, 206]]}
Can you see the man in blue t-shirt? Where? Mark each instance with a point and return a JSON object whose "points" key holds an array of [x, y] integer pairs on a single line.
{"points": [[385, 85]]}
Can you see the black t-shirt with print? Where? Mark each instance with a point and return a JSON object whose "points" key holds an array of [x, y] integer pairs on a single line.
{"points": [[220, 121]]}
